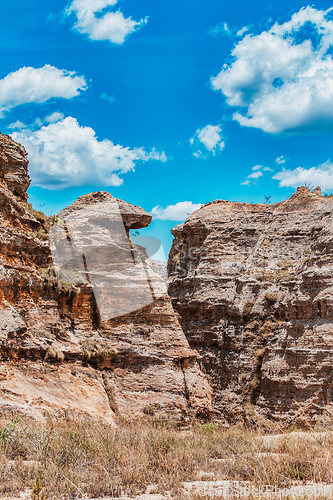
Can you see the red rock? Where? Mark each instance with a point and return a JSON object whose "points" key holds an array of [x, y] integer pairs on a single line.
{"points": [[57, 351], [254, 289]]}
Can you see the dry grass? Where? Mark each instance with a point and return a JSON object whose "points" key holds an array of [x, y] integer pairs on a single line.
{"points": [[73, 458]]}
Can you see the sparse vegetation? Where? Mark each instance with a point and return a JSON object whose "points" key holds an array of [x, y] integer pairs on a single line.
{"points": [[46, 221], [111, 393], [284, 275], [149, 410], [70, 279], [285, 264], [72, 458], [261, 262], [53, 354], [37, 491], [176, 258], [98, 354], [271, 297], [9, 429]]}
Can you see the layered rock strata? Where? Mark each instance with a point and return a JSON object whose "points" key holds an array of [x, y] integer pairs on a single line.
{"points": [[253, 285], [69, 344]]}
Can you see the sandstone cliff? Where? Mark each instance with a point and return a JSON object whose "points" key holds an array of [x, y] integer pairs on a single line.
{"points": [[253, 285], [65, 345]]}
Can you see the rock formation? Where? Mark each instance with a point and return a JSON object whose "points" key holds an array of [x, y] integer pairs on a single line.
{"points": [[65, 345], [253, 285]]}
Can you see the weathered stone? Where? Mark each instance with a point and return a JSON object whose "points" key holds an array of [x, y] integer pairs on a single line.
{"points": [[14, 167], [253, 285], [58, 353]]}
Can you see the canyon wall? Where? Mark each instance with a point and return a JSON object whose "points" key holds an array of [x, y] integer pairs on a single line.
{"points": [[67, 344], [253, 285], [87, 328]]}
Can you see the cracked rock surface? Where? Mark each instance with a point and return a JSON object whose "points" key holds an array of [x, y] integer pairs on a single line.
{"points": [[253, 285], [59, 352]]}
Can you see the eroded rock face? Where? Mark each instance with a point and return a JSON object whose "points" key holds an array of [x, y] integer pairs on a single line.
{"points": [[253, 285], [58, 353], [14, 167]]}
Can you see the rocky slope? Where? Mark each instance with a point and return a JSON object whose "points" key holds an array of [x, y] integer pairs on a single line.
{"points": [[253, 285], [68, 343]]}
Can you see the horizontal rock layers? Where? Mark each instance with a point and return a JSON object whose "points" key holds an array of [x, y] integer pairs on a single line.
{"points": [[70, 343], [253, 285]]}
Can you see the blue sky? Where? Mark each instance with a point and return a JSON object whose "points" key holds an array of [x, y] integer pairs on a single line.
{"points": [[163, 103]]}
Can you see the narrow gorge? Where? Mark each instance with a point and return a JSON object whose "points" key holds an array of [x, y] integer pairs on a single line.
{"points": [[87, 326], [58, 354]]}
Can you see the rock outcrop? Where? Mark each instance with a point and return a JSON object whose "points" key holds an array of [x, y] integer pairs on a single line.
{"points": [[253, 285], [65, 345]]}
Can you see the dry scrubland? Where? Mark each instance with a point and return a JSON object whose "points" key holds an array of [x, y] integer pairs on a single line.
{"points": [[69, 458]]}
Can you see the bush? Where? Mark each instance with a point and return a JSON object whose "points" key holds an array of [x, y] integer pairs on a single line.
{"points": [[271, 297], [54, 355], [98, 354]]}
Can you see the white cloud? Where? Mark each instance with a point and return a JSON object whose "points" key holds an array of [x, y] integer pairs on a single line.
{"points": [[38, 85], [38, 122], [317, 176], [18, 125], [65, 154], [254, 176], [280, 160], [109, 98], [267, 169], [211, 137], [99, 25], [178, 212], [225, 29], [55, 117], [282, 79], [242, 31], [220, 28]]}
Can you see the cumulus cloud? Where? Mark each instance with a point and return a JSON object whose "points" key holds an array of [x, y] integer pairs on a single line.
{"points": [[38, 85], [257, 172], [220, 28], [65, 154], [211, 137], [225, 29], [280, 160], [282, 79], [242, 31], [317, 176], [252, 178], [18, 125], [178, 212], [95, 19], [255, 175], [109, 98], [55, 117]]}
